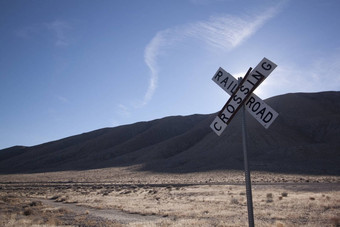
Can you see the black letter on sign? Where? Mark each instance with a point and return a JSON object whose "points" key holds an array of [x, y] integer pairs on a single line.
{"points": [[233, 89], [244, 90], [217, 128], [261, 112], [225, 81], [237, 100], [251, 100], [230, 110], [256, 107], [230, 84], [268, 67], [219, 74], [258, 76], [268, 117], [224, 118]]}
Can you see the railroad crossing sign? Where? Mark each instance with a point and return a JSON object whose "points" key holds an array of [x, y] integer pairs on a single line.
{"points": [[242, 94]]}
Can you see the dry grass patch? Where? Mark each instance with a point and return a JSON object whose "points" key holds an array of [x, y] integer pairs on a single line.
{"points": [[155, 195]]}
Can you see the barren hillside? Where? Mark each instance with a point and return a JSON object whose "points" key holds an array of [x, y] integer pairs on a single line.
{"points": [[303, 139]]}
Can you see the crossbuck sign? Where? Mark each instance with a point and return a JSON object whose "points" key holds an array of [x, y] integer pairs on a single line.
{"points": [[243, 95], [241, 92]]}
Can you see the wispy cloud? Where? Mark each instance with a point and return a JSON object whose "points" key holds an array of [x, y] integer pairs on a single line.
{"points": [[62, 99], [27, 32], [56, 30], [123, 110], [221, 32], [227, 32], [317, 75], [59, 29], [150, 58]]}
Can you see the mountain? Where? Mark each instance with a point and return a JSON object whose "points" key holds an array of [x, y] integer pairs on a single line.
{"points": [[305, 138]]}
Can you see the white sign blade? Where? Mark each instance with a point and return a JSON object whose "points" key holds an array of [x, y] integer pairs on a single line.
{"points": [[229, 84], [225, 80], [218, 126], [262, 112], [248, 84], [265, 67]]}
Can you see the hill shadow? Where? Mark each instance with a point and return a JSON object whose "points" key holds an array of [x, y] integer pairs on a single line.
{"points": [[302, 140]]}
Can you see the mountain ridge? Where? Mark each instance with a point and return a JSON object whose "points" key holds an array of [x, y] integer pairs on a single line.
{"points": [[303, 139]]}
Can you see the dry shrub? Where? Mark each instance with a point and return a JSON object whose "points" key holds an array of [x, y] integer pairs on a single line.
{"points": [[28, 212], [269, 197], [52, 222], [234, 201], [335, 221], [284, 194], [35, 203], [10, 199], [5, 199], [54, 197], [60, 200], [63, 210]]}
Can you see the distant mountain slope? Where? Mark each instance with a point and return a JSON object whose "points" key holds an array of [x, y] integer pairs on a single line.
{"points": [[305, 138]]}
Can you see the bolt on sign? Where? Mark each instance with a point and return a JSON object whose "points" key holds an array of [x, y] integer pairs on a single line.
{"points": [[243, 95]]}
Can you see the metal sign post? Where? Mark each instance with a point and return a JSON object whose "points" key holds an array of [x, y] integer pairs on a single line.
{"points": [[242, 97], [246, 167]]}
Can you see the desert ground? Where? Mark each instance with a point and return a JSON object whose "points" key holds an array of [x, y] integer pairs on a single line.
{"points": [[125, 196]]}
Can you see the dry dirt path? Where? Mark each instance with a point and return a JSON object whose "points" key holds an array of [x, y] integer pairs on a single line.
{"points": [[111, 214]]}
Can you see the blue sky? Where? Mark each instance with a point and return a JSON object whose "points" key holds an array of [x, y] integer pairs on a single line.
{"points": [[68, 67]]}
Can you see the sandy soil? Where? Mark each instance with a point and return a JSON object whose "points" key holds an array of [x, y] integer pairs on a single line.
{"points": [[127, 197]]}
